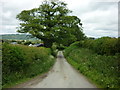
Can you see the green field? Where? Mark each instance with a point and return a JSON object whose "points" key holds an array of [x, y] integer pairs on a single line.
{"points": [[17, 37]]}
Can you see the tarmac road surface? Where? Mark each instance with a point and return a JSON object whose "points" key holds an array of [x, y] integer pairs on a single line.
{"points": [[62, 75]]}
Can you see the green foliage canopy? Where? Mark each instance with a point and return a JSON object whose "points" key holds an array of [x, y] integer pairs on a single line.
{"points": [[50, 22]]}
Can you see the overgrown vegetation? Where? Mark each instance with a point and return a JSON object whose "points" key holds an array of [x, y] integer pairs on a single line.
{"points": [[103, 45], [97, 59], [0, 64], [20, 62]]}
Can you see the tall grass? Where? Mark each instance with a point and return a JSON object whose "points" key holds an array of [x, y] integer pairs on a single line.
{"points": [[20, 62], [101, 69]]}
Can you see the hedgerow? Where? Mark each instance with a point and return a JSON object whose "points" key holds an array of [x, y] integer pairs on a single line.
{"points": [[21, 62], [97, 59], [104, 45]]}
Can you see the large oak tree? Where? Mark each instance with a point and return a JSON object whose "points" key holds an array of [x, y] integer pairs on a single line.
{"points": [[51, 22]]}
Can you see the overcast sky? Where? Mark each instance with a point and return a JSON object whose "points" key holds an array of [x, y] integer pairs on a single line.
{"points": [[99, 17]]}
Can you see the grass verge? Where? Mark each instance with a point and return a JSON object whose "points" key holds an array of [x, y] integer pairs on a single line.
{"points": [[100, 69], [20, 63]]}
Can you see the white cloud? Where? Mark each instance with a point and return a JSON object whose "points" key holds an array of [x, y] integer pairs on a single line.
{"points": [[99, 18], [8, 29]]}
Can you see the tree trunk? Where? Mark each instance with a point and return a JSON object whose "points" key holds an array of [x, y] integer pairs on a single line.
{"points": [[48, 43]]}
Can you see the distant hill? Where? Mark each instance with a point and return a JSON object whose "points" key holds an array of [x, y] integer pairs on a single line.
{"points": [[17, 37]]}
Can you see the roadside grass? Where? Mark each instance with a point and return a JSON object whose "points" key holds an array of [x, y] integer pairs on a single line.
{"points": [[100, 69], [20, 63], [23, 80]]}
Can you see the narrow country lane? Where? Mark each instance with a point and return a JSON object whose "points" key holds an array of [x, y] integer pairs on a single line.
{"points": [[62, 75]]}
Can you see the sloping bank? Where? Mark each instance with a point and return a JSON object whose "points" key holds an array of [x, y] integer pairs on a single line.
{"points": [[100, 69], [21, 63]]}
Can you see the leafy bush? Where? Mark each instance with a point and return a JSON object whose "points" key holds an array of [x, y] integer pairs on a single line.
{"points": [[0, 64], [21, 62], [102, 69], [104, 45], [54, 49], [61, 47]]}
